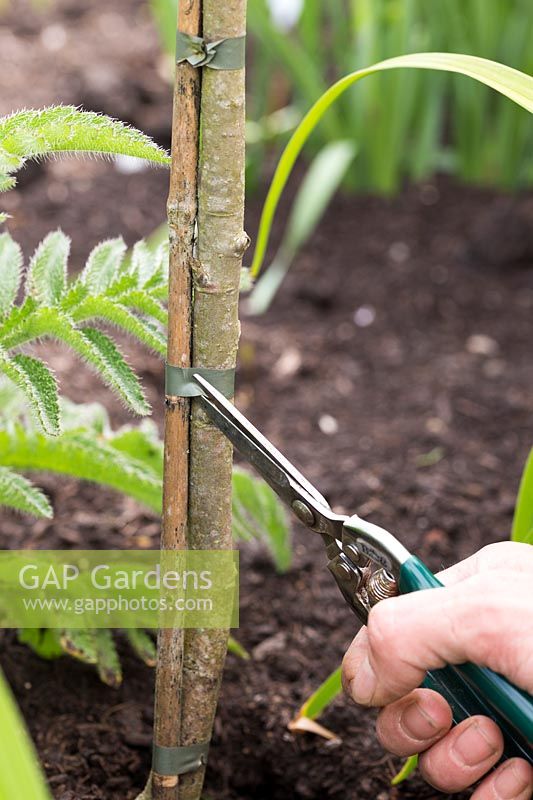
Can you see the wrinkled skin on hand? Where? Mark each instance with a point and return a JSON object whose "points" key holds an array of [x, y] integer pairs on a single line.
{"points": [[483, 614]]}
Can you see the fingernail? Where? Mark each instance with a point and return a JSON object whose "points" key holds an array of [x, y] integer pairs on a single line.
{"points": [[474, 746], [418, 724], [363, 686], [509, 783]]}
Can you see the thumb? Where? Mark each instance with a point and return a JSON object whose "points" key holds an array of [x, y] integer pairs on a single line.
{"points": [[485, 619]]}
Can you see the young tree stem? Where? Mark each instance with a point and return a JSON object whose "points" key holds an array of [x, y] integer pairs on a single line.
{"points": [[216, 276]]}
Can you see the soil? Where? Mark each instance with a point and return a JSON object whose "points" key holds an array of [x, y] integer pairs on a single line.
{"points": [[394, 368]]}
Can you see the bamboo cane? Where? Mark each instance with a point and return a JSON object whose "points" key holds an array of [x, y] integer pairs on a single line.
{"points": [[181, 210], [221, 245]]}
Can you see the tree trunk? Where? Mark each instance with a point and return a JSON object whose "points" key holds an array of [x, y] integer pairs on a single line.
{"points": [[182, 211], [221, 244]]}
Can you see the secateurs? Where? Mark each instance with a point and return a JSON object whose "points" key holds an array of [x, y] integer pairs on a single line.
{"points": [[370, 565]]}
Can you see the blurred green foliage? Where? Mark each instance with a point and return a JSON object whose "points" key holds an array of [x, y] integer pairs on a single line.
{"points": [[405, 125]]}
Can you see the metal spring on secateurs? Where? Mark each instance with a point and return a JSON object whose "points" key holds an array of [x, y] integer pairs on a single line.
{"points": [[380, 586]]}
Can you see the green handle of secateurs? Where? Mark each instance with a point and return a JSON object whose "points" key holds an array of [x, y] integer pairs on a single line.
{"points": [[470, 689]]}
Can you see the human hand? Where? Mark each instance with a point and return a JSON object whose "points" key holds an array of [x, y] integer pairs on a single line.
{"points": [[483, 614]]}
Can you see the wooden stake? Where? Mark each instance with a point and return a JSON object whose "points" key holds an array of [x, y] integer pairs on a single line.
{"points": [[182, 211], [221, 245]]}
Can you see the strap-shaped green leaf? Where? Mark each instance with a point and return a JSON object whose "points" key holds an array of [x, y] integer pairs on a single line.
{"points": [[320, 183], [17, 492], [39, 387], [522, 530], [47, 275], [20, 776], [510, 82], [10, 271], [103, 265]]}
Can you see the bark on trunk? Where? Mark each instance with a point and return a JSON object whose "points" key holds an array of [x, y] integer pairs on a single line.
{"points": [[221, 244], [182, 211]]}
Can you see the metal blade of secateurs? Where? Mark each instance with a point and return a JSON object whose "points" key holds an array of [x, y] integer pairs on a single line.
{"points": [[277, 471]]}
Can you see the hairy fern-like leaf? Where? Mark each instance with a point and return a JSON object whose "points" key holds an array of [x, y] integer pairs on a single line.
{"points": [[92, 345], [116, 372], [94, 308], [145, 262], [39, 386], [145, 304], [43, 387], [143, 645], [81, 454], [112, 290], [47, 275], [103, 265], [17, 492], [11, 269], [35, 133]]}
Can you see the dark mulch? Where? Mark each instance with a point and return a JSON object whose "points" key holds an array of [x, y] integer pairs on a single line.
{"points": [[420, 420]]}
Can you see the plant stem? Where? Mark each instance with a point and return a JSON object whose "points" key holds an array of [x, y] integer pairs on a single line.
{"points": [[221, 244], [181, 210]]}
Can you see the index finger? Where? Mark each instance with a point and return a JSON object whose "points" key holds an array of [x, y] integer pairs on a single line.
{"points": [[514, 556]]}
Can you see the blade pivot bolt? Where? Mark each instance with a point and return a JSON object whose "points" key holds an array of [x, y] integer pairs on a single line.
{"points": [[303, 512]]}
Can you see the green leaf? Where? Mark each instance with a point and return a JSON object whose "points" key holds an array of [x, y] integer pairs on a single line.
{"points": [[103, 265], [81, 454], [65, 129], [408, 768], [90, 344], [102, 308], [326, 693], [321, 181], [258, 513], [515, 85], [47, 275], [143, 444], [43, 641], [237, 649], [143, 645], [116, 372], [40, 387], [522, 530], [7, 182], [107, 659], [17, 492], [80, 644], [10, 271], [20, 775], [141, 301], [144, 262]]}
